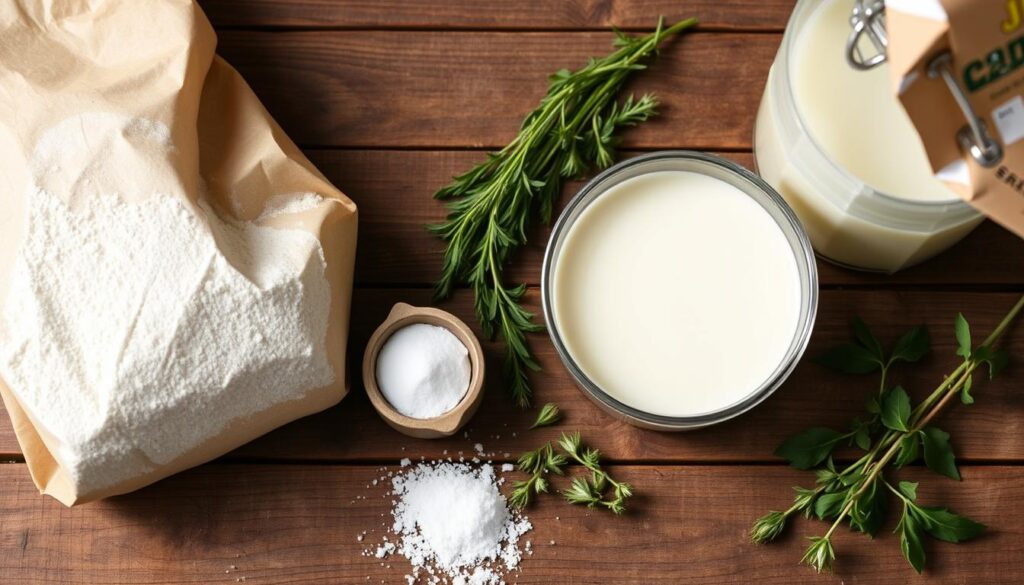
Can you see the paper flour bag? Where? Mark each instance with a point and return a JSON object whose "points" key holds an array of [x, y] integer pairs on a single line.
{"points": [[948, 53], [175, 276]]}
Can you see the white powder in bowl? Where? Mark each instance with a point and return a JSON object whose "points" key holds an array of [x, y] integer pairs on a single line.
{"points": [[455, 524], [423, 370], [138, 326]]}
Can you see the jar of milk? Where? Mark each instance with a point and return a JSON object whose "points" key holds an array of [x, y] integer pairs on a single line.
{"points": [[838, 146]]}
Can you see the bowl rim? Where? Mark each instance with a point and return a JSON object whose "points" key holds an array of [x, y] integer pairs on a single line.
{"points": [[806, 265], [449, 422]]}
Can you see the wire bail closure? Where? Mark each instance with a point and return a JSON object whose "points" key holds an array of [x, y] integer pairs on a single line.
{"points": [[866, 20], [974, 137]]}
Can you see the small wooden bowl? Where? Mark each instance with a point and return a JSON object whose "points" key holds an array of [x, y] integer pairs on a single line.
{"points": [[450, 422]]}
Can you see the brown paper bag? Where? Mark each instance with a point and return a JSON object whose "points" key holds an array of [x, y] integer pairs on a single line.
{"points": [[149, 66], [985, 44]]}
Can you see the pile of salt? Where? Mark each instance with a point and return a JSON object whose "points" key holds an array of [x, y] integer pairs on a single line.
{"points": [[454, 524]]}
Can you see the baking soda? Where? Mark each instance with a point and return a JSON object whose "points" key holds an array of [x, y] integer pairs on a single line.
{"points": [[454, 524], [423, 370], [139, 325]]}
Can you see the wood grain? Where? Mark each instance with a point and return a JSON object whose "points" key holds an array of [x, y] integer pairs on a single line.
{"points": [[987, 431], [298, 524], [509, 14], [469, 89], [395, 249]]}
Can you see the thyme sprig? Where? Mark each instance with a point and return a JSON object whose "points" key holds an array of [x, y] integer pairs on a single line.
{"points": [[549, 414], [538, 463], [492, 206], [588, 490], [893, 434]]}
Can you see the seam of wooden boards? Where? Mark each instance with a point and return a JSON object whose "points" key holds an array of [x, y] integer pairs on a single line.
{"points": [[979, 288], [291, 28], [385, 462], [17, 459]]}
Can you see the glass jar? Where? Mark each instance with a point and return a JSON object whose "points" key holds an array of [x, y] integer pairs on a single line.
{"points": [[750, 185], [850, 222]]}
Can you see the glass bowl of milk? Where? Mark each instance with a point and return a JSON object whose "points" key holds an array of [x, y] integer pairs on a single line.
{"points": [[839, 147], [679, 290]]}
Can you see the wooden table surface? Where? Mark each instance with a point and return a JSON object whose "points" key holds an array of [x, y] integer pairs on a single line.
{"points": [[390, 98]]}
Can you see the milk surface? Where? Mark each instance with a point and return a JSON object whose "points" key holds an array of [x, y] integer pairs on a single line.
{"points": [[676, 293], [854, 116]]}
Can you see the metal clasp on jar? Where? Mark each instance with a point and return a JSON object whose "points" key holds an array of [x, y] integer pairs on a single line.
{"points": [[867, 19]]}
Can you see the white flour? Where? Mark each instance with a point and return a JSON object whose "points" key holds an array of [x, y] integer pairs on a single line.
{"points": [[138, 326], [454, 524]]}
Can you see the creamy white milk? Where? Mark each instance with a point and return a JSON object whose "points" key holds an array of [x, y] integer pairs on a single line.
{"points": [[676, 293], [853, 114], [862, 187]]}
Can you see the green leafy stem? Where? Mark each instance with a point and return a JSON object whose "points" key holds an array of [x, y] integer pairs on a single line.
{"points": [[894, 434]]}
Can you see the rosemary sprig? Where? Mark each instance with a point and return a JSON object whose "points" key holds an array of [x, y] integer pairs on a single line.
{"points": [[894, 434], [549, 414], [493, 205]]}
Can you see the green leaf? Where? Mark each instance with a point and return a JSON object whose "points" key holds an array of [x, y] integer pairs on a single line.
{"points": [[910, 541], [947, 526], [549, 414], [909, 489], [996, 360], [909, 450], [862, 437], [873, 406], [867, 339], [868, 512], [965, 391], [828, 505], [963, 336], [938, 453], [912, 346], [850, 358], [896, 409], [997, 363], [809, 448]]}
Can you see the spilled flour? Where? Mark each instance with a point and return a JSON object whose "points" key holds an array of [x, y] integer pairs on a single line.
{"points": [[137, 326], [453, 524]]}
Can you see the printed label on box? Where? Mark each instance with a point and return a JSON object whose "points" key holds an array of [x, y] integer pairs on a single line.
{"points": [[1009, 119]]}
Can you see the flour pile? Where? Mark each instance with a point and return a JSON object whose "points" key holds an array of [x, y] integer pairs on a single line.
{"points": [[137, 325], [454, 524]]}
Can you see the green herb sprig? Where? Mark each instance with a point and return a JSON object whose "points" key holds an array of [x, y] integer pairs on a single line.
{"points": [[894, 433], [549, 414], [492, 206], [587, 491], [538, 464], [590, 491]]}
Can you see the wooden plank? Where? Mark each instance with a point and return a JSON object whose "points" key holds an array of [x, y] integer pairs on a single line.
{"points": [[989, 430], [443, 89], [394, 191], [298, 524], [510, 14]]}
